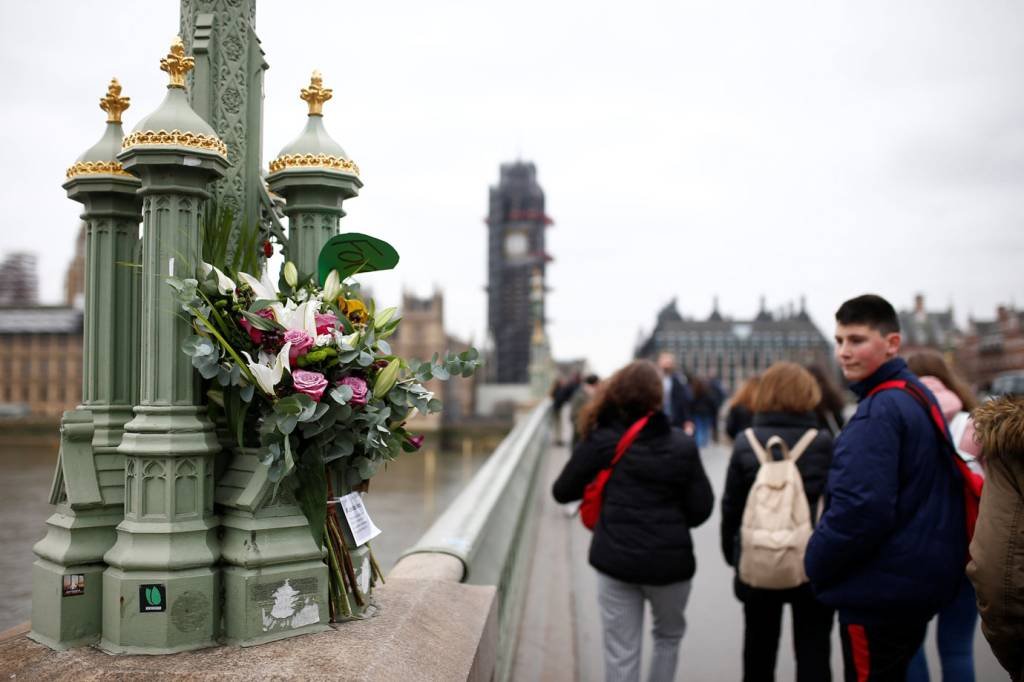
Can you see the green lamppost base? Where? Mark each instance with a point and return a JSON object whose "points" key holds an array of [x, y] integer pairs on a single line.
{"points": [[66, 602], [178, 609], [275, 580], [275, 602]]}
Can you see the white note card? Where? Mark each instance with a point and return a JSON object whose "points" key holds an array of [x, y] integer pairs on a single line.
{"points": [[358, 519]]}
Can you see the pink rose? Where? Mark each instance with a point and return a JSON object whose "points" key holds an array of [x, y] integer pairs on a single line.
{"points": [[310, 383], [359, 389], [416, 441], [325, 322], [301, 342]]}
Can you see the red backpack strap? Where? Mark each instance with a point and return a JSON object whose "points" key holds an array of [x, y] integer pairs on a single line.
{"points": [[934, 413], [972, 483], [628, 437]]}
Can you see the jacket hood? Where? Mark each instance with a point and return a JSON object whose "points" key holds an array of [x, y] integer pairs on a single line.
{"points": [[949, 402], [999, 424]]}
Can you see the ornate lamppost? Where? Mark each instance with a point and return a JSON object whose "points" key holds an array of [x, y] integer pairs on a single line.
{"points": [[88, 488], [314, 174], [161, 589]]}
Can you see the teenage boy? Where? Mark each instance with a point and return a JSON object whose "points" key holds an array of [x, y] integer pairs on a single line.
{"points": [[891, 546]]}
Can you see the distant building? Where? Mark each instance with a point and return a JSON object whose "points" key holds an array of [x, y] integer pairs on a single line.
{"points": [[733, 350], [422, 334], [40, 360], [991, 347], [923, 329], [74, 278], [515, 255], [19, 283]]}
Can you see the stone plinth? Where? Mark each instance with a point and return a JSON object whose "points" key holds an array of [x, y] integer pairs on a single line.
{"points": [[425, 630]]}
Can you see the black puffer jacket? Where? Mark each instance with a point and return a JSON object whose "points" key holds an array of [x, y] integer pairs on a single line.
{"points": [[656, 493], [813, 466]]}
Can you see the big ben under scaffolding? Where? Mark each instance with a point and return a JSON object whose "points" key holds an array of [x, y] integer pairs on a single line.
{"points": [[515, 255]]}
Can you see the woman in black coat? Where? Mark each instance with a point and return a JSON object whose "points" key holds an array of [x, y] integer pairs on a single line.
{"points": [[783, 406], [641, 546]]}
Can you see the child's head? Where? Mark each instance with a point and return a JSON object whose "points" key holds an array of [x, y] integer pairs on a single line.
{"points": [[867, 335]]}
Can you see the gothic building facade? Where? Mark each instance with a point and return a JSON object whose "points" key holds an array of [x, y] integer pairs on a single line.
{"points": [[515, 258], [732, 350]]}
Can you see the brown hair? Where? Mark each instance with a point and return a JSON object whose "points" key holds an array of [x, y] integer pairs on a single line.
{"points": [[930, 363], [787, 387], [744, 396], [630, 393], [831, 398]]}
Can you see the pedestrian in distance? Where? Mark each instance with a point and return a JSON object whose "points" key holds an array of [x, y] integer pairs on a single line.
{"points": [[957, 621], [890, 548], [677, 395], [741, 408], [579, 399], [996, 568], [703, 409], [561, 393], [641, 548], [784, 427], [830, 409]]}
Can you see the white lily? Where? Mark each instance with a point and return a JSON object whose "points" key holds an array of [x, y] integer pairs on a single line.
{"points": [[332, 286], [303, 317], [264, 289], [224, 283], [269, 371]]}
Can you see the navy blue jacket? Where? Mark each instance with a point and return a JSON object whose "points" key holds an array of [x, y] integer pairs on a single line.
{"points": [[891, 545]]}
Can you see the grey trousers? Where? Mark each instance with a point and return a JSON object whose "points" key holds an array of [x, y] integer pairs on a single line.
{"points": [[622, 615]]}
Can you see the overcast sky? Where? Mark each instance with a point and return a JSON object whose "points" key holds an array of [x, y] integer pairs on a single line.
{"points": [[687, 149]]}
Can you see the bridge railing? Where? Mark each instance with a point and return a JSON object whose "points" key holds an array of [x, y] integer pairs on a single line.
{"points": [[490, 528]]}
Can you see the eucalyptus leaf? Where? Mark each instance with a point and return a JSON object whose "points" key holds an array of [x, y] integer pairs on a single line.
{"points": [[287, 423], [246, 392], [341, 394], [364, 359]]}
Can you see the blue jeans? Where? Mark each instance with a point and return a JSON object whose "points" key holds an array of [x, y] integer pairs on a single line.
{"points": [[955, 635], [702, 429]]}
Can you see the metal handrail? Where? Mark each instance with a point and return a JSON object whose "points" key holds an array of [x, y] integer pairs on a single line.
{"points": [[461, 530]]}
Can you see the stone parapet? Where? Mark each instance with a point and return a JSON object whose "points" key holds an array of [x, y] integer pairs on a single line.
{"points": [[424, 630]]}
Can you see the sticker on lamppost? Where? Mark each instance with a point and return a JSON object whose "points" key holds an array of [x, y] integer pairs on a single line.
{"points": [[358, 519], [152, 598], [74, 585]]}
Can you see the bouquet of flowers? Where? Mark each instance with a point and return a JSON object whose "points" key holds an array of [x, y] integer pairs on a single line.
{"points": [[306, 374]]}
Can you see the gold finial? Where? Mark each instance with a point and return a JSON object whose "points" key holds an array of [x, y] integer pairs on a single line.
{"points": [[113, 103], [176, 64], [316, 94]]}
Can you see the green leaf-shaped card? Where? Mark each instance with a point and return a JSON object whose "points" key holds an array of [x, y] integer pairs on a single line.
{"points": [[354, 252]]}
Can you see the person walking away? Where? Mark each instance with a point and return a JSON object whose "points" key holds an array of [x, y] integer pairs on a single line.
{"points": [[996, 568], [677, 396], [957, 621], [703, 409], [783, 410], [890, 548], [830, 410], [641, 548], [561, 393], [741, 408], [580, 398]]}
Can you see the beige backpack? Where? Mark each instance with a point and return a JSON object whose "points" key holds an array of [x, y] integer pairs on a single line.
{"points": [[776, 519]]}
